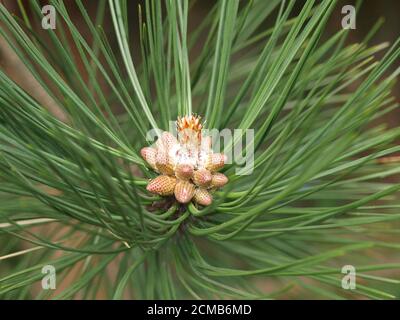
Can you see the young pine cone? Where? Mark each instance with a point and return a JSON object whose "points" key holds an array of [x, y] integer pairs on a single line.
{"points": [[187, 165]]}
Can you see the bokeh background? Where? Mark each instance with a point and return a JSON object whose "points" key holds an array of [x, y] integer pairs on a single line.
{"points": [[370, 12]]}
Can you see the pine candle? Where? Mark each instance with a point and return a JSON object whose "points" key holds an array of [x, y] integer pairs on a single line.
{"points": [[187, 165]]}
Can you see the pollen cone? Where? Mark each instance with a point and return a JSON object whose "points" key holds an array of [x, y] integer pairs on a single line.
{"points": [[215, 161], [202, 197], [162, 162], [202, 177], [162, 185], [219, 180], [166, 141], [184, 191], [184, 171], [149, 155]]}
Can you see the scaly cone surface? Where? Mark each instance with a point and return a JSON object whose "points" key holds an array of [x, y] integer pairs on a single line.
{"points": [[186, 165]]}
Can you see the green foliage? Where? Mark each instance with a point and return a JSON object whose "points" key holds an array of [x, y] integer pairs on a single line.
{"points": [[72, 194]]}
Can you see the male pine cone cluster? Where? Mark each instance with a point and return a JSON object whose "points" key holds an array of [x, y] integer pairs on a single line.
{"points": [[187, 165]]}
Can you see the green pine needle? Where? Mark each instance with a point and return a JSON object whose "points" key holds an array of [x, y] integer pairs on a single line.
{"points": [[73, 191]]}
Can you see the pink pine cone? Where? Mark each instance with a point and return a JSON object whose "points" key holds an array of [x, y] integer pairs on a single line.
{"points": [[187, 165], [162, 185], [216, 161], [149, 155], [219, 180], [202, 197], [202, 177], [166, 141], [184, 191], [162, 162], [184, 171]]}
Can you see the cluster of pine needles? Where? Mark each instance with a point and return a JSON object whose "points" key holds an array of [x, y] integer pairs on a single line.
{"points": [[73, 187]]}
